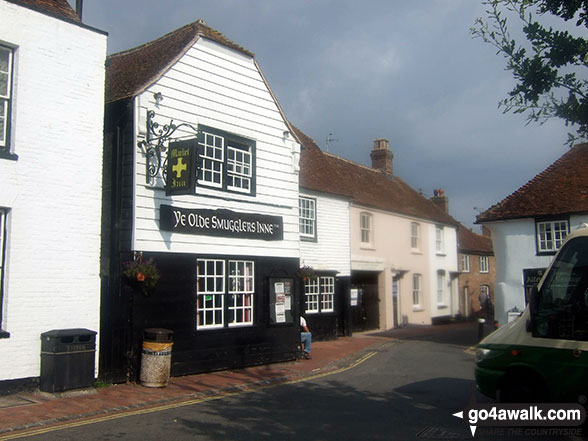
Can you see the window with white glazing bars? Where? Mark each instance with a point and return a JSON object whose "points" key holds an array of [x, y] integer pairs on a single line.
{"points": [[211, 293], [311, 295], [241, 290]]}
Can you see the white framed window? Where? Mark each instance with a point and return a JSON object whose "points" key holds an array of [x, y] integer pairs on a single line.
{"points": [[416, 290], [319, 294], [465, 263], [366, 228], [441, 288], [415, 235], [239, 169], [439, 240], [226, 161], [311, 295], [484, 264], [6, 62], [241, 290], [551, 235], [3, 232], [212, 160], [226, 292], [327, 294], [211, 293], [307, 217]]}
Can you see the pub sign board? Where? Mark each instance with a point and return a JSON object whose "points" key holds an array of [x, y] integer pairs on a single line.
{"points": [[181, 167], [221, 223]]}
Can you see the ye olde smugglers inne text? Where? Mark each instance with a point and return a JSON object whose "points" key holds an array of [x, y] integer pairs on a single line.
{"points": [[221, 223]]}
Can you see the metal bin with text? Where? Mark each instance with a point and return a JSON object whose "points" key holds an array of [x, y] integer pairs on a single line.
{"points": [[67, 359]]}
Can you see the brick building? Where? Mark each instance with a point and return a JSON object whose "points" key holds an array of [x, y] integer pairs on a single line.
{"points": [[477, 276]]}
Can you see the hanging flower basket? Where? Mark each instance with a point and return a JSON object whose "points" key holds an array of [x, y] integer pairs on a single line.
{"points": [[141, 273], [306, 272]]}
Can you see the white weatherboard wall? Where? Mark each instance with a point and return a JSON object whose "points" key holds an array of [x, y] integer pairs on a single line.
{"points": [[53, 190], [515, 249], [220, 88], [331, 251]]}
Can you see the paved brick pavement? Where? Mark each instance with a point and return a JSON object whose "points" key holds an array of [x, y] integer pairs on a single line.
{"points": [[28, 411], [25, 411]]}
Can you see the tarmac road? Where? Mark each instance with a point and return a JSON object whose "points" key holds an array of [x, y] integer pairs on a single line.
{"points": [[407, 387]]}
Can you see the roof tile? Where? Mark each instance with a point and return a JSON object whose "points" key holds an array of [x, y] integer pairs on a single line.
{"points": [[57, 8], [328, 173], [562, 188], [470, 242], [130, 72]]}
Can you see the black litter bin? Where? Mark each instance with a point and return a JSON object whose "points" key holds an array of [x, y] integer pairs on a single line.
{"points": [[156, 357], [67, 359]]}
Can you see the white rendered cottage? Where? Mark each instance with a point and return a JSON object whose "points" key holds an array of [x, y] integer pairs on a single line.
{"points": [[529, 226], [51, 136]]}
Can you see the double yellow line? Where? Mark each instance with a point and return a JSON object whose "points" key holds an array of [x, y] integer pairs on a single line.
{"points": [[159, 408]]}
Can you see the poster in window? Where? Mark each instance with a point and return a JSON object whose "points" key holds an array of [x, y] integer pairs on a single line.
{"points": [[281, 291]]}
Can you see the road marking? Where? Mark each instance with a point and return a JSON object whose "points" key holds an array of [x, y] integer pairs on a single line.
{"points": [[73, 424]]}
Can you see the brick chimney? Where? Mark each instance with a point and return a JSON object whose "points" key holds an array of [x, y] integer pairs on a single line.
{"points": [[382, 156], [441, 200]]}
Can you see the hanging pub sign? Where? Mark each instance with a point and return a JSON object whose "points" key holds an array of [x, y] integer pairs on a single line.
{"points": [[222, 223], [181, 167]]}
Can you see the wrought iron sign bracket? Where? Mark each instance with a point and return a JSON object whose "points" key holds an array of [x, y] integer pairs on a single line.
{"points": [[155, 145]]}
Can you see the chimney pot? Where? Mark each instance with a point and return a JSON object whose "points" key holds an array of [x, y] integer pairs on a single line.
{"points": [[441, 200]]}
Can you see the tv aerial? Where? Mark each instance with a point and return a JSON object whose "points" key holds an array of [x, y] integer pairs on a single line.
{"points": [[330, 140]]}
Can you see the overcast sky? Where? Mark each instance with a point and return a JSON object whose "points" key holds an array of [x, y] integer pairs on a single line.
{"points": [[408, 71]]}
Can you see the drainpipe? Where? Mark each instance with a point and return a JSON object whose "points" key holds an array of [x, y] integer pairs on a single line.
{"points": [[79, 8]]}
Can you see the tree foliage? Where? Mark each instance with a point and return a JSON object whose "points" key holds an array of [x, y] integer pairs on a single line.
{"points": [[550, 67]]}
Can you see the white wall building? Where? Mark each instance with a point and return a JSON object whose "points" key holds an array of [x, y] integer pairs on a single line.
{"points": [[51, 125], [324, 216], [529, 226]]}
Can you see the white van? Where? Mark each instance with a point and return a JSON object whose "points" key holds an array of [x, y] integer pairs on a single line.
{"points": [[543, 355]]}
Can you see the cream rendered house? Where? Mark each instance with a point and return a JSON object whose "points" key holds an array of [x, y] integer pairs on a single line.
{"points": [[403, 247]]}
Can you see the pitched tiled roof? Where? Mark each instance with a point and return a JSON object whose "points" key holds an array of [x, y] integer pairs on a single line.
{"points": [[328, 173], [562, 188], [130, 72], [471, 243], [57, 8]]}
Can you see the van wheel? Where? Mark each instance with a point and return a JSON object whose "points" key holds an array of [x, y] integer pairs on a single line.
{"points": [[522, 387]]}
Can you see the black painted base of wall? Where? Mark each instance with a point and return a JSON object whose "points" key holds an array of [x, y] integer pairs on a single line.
{"points": [[172, 305], [9, 387]]}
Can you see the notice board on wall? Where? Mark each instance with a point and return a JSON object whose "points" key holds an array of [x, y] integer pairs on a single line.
{"points": [[281, 300]]}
